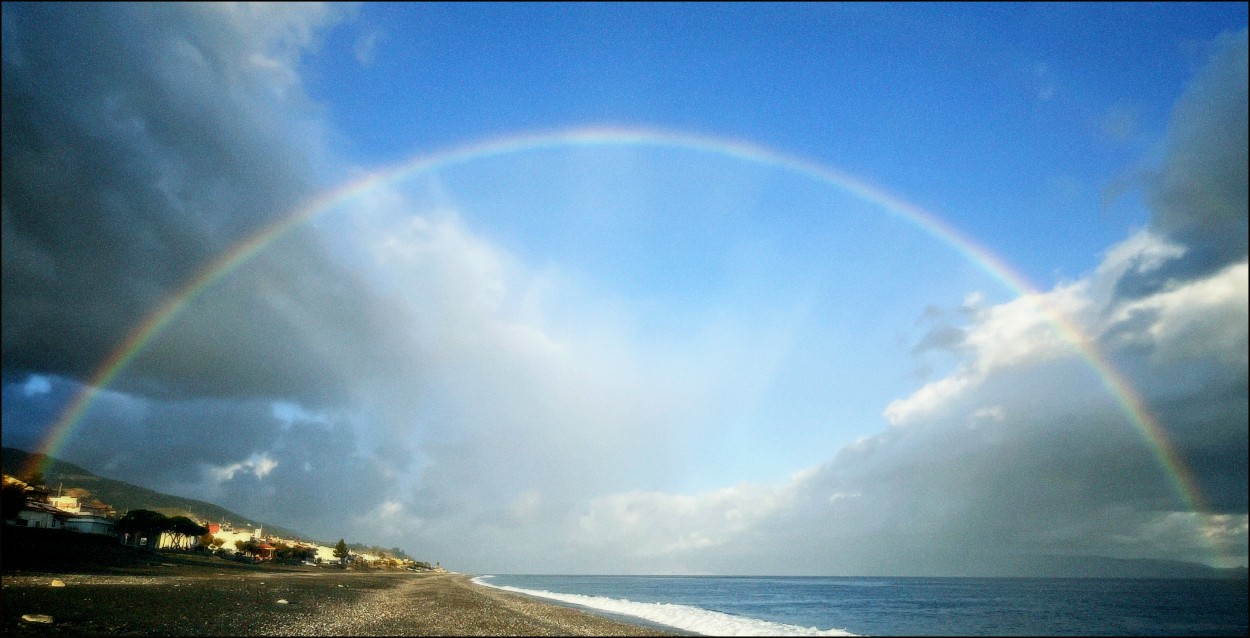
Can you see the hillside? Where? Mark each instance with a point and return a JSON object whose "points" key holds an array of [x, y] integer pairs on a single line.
{"points": [[125, 496]]}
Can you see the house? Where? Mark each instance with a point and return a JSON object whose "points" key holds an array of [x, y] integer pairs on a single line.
{"points": [[231, 536], [91, 518], [91, 524], [36, 511], [65, 504], [43, 515], [266, 551]]}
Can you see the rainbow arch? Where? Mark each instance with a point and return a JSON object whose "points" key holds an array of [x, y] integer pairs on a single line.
{"points": [[1130, 402]]}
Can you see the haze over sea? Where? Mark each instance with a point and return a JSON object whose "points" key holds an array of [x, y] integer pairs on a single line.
{"points": [[774, 605]]}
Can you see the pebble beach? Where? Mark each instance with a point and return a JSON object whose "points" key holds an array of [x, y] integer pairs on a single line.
{"points": [[65, 584], [190, 601]]}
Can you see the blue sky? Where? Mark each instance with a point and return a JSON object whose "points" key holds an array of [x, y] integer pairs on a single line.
{"points": [[662, 358], [956, 91]]}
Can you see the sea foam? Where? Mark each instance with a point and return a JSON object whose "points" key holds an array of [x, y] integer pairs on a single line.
{"points": [[703, 621]]}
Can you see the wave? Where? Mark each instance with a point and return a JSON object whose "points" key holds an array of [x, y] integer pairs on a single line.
{"points": [[696, 619]]}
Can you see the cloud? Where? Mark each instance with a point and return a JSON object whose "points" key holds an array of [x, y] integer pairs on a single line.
{"points": [[140, 143], [259, 465], [983, 472], [1199, 196], [1043, 82], [366, 47], [36, 384]]}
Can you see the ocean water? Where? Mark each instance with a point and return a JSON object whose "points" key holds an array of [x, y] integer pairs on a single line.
{"points": [[755, 606]]}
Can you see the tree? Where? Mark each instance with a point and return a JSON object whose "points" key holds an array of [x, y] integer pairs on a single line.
{"points": [[250, 546], [340, 551], [14, 501], [293, 554], [143, 524], [306, 554], [183, 528]]}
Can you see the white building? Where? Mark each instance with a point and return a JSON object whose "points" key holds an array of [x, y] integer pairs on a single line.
{"points": [[231, 536], [91, 524], [37, 514], [65, 504]]}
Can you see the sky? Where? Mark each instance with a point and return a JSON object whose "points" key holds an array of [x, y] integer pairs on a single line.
{"points": [[860, 289]]}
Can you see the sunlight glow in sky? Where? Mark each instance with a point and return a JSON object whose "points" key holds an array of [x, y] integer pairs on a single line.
{"points": [[616, 358]]}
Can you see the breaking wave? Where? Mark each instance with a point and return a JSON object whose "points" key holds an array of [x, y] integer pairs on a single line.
{"points": [[703, 621]]}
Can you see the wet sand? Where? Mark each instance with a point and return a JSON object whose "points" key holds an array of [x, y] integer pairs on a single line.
{"points": [[187, 600]]}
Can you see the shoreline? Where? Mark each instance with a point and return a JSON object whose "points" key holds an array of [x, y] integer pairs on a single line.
{"points": [[658, 627], [189, 600]]}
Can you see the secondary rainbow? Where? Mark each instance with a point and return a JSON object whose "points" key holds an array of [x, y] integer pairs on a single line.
{"points": [[1130, 402]]}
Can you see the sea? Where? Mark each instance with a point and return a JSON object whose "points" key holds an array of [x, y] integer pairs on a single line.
{"points": [[818, 606]]}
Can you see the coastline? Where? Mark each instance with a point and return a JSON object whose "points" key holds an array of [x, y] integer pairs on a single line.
{"points": [[187, 600]]}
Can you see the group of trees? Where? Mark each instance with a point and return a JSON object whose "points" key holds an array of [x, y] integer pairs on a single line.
{"points": [[380, 552], [12, 501], [294, 554], [146, 526], [13, 495], [282, 552]]}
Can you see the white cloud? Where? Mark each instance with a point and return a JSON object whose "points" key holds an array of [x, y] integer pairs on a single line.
{"points": [[1203, 319], [649, 524], [36, 385], [1062, 470], [366, 48], [258, 464]]}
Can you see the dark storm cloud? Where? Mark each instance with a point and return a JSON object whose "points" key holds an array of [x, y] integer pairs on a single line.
{"points": [[939, 338], [303, 475], [1199, 197], [141, 142], [1211, 437]]}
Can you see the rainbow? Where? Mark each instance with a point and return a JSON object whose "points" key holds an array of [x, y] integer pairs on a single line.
{"points": [[1129, 401]]}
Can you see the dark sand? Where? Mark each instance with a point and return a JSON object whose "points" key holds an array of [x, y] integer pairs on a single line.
{"points": [[172, 594]]}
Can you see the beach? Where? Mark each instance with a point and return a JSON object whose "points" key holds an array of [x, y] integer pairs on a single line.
{"points": [[60, 584], [198, 600]]}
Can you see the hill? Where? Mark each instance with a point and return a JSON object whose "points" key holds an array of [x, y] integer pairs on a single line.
{"points": [[1104, 567], [125, 496]]}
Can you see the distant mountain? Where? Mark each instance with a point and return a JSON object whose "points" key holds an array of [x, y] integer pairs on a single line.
{"points": [[124, 496], [1103, 567]]}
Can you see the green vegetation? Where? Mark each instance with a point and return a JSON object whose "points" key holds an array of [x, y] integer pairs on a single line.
{"points": [[141, 523], [340, 551], [293, 554], [381, 552], [250, 547], [12, 501]]}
